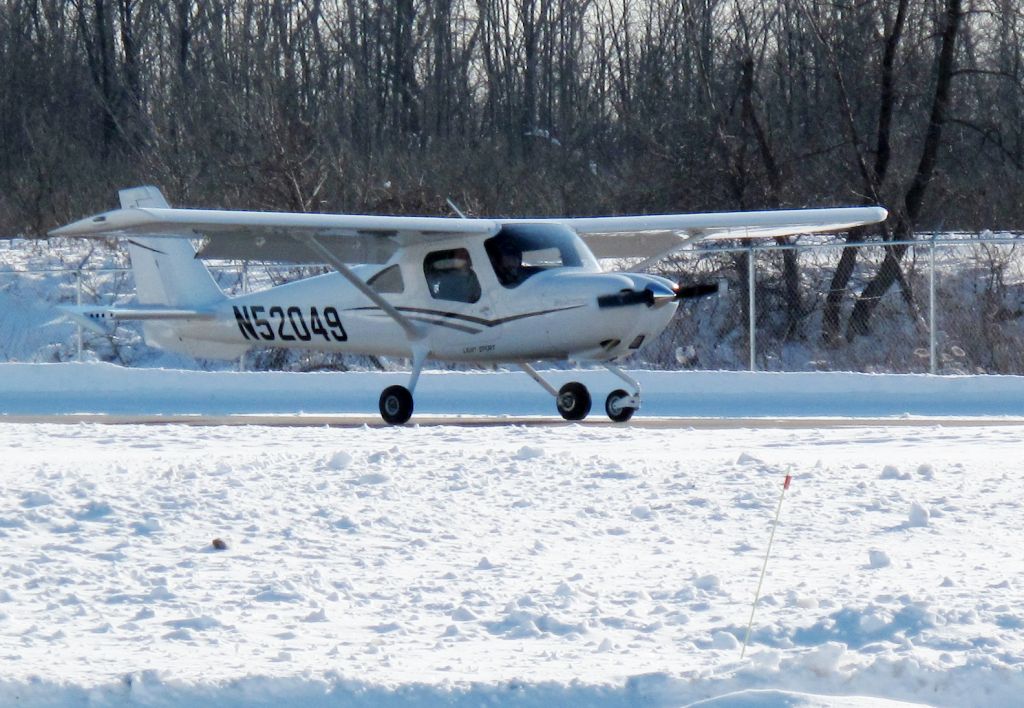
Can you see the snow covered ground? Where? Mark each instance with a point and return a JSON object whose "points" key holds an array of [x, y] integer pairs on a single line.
{"points": [[532, 566]]}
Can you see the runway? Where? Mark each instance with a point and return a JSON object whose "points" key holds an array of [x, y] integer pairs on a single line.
{"points": [[650, 423]]}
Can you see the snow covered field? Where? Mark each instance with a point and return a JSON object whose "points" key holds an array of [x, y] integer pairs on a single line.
{"points": [[528, 566]]}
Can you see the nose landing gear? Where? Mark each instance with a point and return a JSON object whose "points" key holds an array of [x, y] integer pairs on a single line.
{"points": [[621, 405], [617, 406]]}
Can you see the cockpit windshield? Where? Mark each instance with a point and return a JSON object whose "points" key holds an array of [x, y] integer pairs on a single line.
{"points": [[519, 251]]}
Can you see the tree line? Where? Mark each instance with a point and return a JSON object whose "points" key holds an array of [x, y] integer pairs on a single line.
{"points": [[525, 107]]}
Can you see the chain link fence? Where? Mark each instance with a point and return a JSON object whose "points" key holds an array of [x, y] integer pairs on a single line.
{"points": [[957, 307]]}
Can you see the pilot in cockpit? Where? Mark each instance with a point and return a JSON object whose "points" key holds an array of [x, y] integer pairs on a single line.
{"points": [[509, 263]]}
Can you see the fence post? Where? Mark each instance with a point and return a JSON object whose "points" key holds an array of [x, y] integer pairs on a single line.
{"points": [[78, 301], [932, 337], [751, 305], [245, 291]]}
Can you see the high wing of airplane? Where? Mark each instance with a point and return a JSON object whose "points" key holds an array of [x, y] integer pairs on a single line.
{"points": [[513, 291]]}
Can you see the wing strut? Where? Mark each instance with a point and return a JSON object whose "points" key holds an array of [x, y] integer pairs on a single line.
{"points": [[413, 331]]}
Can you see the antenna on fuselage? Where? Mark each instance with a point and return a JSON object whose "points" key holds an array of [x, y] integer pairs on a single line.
{"points": [[455, 208]]}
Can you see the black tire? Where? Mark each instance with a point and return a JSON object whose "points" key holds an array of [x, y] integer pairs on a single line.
{"points": [[618, 414], [395, 405], [573, 401]]}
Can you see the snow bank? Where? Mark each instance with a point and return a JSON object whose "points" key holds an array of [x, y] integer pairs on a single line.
{"points": [[27, 389]]}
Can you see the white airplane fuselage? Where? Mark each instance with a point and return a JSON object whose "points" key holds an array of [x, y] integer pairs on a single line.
{"points": [[553, 314]]}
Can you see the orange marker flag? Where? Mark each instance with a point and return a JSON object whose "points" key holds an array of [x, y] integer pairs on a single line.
{"points": [[757, 595]]}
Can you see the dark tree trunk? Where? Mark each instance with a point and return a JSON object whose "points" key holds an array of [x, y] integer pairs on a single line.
{"points": [[130, 64], [528, 110], [890, 270], [404, 71], [184, 38], [872, 180], [99, 47]]}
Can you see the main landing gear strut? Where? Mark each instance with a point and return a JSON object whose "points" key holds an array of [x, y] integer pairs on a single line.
{"points": [[573, 399], [396, 403]]}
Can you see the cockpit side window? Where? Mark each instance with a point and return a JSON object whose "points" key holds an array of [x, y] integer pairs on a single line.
{"points": [[522, 250], [388, 280], [450, 276]]}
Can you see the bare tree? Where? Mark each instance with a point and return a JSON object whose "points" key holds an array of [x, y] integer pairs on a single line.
{"points": [[906, 218]]}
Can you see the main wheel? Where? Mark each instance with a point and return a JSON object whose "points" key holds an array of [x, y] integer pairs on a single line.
{"points": [[573, 401], [395, 405], [614, 408]]}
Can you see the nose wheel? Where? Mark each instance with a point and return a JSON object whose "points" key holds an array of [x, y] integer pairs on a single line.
{"points": [[621, 405], [573, 401], [617, 406]]}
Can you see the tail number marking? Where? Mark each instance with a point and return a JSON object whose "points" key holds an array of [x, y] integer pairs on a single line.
{"points": [[288, 324]]}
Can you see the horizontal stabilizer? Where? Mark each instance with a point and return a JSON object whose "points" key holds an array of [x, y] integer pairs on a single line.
{"points": [[93, 317]]}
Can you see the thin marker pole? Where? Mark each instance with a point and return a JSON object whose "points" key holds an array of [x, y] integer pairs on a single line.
{"points": [[757, 595]]}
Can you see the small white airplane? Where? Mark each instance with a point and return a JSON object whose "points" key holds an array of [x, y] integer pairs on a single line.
{"points": [[454, 289]]}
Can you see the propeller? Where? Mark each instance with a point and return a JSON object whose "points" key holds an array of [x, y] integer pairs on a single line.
{"points": [[658, 294], [694, 291]]}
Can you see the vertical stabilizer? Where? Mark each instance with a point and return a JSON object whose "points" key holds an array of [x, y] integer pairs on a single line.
{"points": [[166, 270]]}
